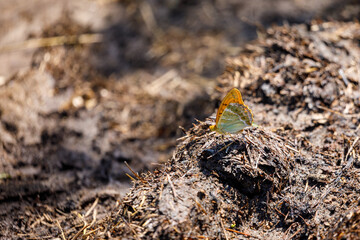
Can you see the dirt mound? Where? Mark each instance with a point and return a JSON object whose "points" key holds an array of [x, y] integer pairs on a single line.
{"points": [[210, 182], [255, 184]]}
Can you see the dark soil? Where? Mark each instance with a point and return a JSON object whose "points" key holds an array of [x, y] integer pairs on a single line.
{"points": [[83, 115]]}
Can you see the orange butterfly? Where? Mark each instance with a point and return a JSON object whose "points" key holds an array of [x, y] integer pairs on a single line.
{"points": [[233, 115]]}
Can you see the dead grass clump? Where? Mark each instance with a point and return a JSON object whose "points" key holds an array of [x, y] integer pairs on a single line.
{"points": [[248, 160]]}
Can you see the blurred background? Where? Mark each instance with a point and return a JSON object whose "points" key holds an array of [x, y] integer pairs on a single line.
{"points": [[88, 85]]}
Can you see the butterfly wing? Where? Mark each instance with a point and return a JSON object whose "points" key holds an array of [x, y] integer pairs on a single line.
{"points": [[233, 96], [235, 118]]}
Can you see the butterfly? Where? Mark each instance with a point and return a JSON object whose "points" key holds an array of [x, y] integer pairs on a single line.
{"points": [[233, 115]]}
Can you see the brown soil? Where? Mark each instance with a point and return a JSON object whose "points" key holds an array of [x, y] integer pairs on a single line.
{"points": [[81, 114]]}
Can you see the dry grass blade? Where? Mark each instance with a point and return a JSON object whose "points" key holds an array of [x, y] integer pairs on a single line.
{"points": [[92, 207], [135, 174], [62, 231], [238, 232], [53, 41], [351, 148], [172, 186]]}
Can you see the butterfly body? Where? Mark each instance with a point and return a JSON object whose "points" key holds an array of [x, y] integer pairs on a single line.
{"points": [[233, 115]]}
